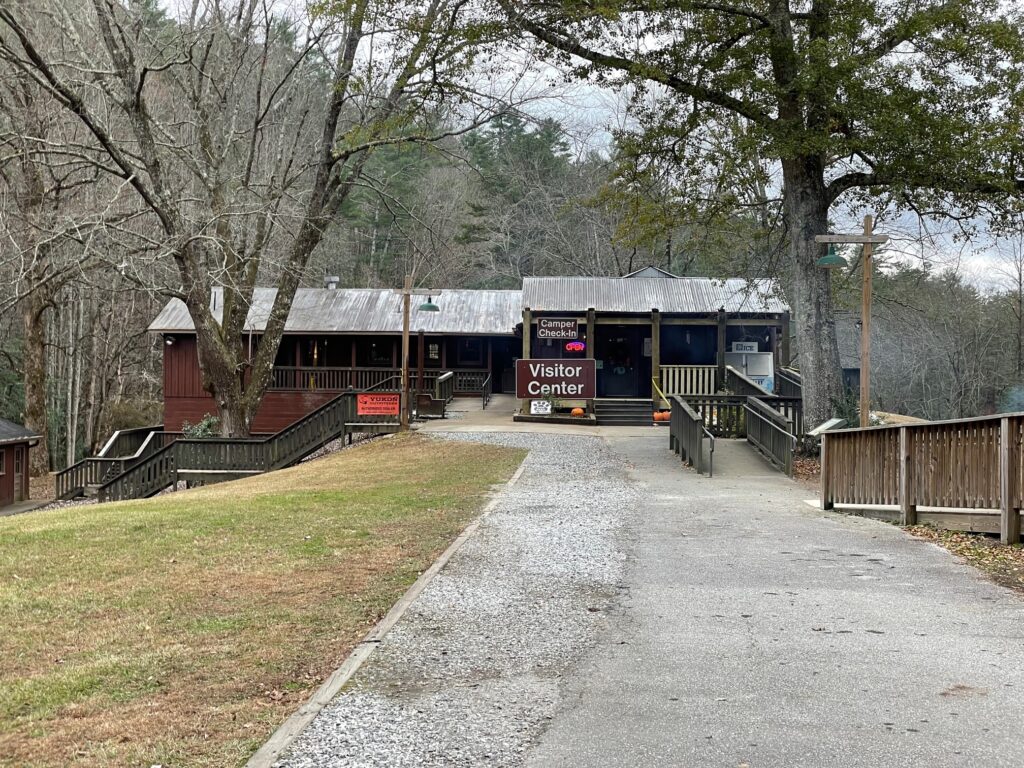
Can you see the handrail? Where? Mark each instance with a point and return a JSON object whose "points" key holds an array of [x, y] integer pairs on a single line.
{"points": [[297, 440], [485, 392], [770, 433], [745, 382], [121, 434], [686, 435], [444, 387]]}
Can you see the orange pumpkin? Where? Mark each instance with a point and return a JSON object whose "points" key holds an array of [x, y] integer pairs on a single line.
{"points": [[576, 412], [662, 415]]}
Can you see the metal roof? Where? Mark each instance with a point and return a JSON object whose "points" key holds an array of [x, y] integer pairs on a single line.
{"points": [[366, 310], [15, 433], [684, 295]]}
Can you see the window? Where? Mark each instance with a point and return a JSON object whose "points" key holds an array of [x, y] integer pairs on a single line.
{"points": [[469, 352], [18, 454], [3, 461]]}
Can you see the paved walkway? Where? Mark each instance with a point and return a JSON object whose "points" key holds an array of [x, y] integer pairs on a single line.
{"points": [[619, 610], [758, 632]]}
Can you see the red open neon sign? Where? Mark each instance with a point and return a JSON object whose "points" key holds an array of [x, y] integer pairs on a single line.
{"points": [[575, 346]]}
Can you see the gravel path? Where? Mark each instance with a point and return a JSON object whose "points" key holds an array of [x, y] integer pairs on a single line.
{"points": [[471, 674]]}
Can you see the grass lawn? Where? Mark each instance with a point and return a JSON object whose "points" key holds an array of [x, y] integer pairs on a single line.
{"points": [[183, 630]]}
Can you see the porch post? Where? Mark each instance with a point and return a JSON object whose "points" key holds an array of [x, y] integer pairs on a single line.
{"points": [[720, 354], [352, 373], [420, 362], [527, 331], [785, 358], [656, 349], [591, 344]]}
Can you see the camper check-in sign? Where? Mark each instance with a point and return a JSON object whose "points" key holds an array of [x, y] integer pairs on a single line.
{"points": [[556, 328], [556, 378]]}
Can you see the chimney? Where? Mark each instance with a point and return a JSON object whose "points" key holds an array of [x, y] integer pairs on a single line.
{"points": [[331, 282]]}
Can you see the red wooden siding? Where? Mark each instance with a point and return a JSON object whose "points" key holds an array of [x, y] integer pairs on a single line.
{"points": [[181, 369], [278, 410], [7, 478]]}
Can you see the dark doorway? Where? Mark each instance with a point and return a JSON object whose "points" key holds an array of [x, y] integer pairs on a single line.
{"points": [[624, 360]]}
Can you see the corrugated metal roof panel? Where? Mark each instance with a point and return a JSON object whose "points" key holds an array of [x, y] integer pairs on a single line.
{"points": [[366, 310], [683, 295]]}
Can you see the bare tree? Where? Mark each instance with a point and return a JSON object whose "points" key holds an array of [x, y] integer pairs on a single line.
{"points": [[239, 132]]}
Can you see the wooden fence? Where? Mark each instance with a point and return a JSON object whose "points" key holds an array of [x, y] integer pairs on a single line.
{"points": [[688, 379], [964, 474], [723, 415], [686, 435], [771, 433], [125, 442]]}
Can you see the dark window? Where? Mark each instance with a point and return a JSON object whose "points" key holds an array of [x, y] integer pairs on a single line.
{"points": [[469, 352], [3, 461]]}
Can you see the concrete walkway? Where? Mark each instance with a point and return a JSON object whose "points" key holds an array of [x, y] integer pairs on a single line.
{"points": [[757, 632], [616, 609]]}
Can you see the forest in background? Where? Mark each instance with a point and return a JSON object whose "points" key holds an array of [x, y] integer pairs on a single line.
{"points": [[484, 202]]}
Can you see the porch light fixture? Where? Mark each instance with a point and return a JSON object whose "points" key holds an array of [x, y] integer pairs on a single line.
{"points": [[429, 305], [831, 260]]}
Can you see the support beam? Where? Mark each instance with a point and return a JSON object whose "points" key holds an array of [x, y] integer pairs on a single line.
{"points": [[1009, 463], [655, 348], [527, 332], [421, 362], [865, 333], [591, 344], [908, 509], [786, 357], [826, 491], [720, 352]]}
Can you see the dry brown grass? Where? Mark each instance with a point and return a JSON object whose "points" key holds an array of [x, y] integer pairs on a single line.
{"points": [[182, 630]]}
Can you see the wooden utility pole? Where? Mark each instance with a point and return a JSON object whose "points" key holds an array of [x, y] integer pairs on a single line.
{"points": [[406, 302], [865, 328], [407, 293], [868, 240]]}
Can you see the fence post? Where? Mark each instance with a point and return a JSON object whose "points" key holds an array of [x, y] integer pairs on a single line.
{"points": [[826, 490], [1009, 512], [908, 509]]}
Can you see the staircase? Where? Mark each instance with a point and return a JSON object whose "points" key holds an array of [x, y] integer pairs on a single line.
{"points": [[624, 412], [165, 457]]}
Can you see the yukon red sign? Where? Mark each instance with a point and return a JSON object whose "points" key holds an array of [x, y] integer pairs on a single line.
{"points": [[383, 404], [556, 378]]}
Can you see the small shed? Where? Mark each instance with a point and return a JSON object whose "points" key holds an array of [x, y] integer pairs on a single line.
{"points": [[15, 442]]}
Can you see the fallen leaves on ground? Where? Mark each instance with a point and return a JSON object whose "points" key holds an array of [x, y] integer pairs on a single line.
{"points": [[1004, 564]]}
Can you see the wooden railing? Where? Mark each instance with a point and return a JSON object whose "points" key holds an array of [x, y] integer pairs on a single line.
{"points": [[444, 387], [307, 378], [723, 415], [686, 435], [126, 442], [964, 474], [97, 470], [790, 407], [788, 383], [771, 433], [738, 384], [485, 393], [231, 455], [688, 379]]}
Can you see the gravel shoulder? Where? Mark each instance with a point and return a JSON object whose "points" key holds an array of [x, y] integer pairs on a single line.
{"points": [[472, 673]]}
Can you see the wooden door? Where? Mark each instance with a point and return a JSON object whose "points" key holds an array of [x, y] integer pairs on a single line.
{"points": [[19, 473]]}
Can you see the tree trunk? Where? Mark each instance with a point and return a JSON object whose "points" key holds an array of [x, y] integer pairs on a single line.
{"points": [[34, 330], [806, 206]]}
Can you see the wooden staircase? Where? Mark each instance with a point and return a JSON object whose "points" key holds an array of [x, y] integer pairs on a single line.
{"points": [[164, 458]]}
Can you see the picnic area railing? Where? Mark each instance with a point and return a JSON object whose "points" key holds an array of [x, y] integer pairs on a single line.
{"points": [[686, 435], [689, 379], [964, 474], [771, 434]]}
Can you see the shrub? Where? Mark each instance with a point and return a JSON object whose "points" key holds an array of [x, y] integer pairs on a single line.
{"points": [[208, 426]]}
